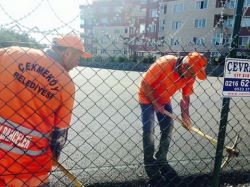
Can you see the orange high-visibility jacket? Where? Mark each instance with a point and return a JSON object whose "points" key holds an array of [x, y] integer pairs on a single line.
{"points": [[164, 81], [36, 96]]}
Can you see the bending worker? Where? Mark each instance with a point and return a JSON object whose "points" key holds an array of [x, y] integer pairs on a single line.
{"points": [[163, 79], [36, 98]]}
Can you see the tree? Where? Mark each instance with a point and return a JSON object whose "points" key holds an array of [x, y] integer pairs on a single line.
{"points": [[12, 38]]}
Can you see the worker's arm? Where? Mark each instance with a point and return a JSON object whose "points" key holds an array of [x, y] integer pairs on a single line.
{"points": [[58, 139], [62, 118], [184, 103]]}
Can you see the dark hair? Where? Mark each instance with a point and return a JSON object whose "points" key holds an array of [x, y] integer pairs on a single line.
{"points": [[178, 64], [60, 48]]}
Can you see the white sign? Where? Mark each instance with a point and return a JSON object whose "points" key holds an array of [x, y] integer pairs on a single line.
{"points": [[236, 78]]}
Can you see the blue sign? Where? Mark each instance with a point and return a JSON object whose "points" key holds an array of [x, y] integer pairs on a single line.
{"points": [[236, 78]]}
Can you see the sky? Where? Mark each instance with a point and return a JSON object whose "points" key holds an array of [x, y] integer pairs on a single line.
{"points": [[40, 17]]}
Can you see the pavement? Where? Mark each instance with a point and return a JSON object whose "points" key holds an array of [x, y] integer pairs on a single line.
{"points": [[104, 143]]}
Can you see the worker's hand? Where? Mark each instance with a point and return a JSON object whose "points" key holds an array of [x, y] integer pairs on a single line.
{"points": [[186, 123], [54, 162], [159, 108]]}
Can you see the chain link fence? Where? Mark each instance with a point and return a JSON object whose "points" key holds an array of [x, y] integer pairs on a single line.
{"points": [[104, 146]]}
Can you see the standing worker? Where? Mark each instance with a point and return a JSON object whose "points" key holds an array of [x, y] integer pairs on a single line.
{"points": [[165, 76], [36, 98]]}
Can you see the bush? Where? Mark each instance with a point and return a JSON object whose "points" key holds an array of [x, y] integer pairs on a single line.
{"points": [[149, 59], [122, 59]]}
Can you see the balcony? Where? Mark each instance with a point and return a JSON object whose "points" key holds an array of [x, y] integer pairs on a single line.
{"points": [[225, 11]]}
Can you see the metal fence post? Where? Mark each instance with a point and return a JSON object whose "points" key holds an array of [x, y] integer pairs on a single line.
{"points": [[226, 101]]}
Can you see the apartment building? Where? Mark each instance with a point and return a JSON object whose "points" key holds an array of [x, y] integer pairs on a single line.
{"points": [[244, 35], [139, 27], [202, 25], [121, 27], [105, 25]]}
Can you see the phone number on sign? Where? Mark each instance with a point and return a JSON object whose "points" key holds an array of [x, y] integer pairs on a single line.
{"points": [[241, 83]]}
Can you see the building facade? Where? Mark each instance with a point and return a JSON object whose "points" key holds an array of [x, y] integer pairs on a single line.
{"points": [[120, 28], [244, 35], [195, 25], [139, 27]]}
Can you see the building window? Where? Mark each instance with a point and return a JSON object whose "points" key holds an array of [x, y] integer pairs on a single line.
{"points": [[104, 20], [229, 22], [143, 12], [247, 3], [103, 51], [162, 28], [217, 39], [162, 38], [228, 39], [245, 22], [86, 21], [176, 25], [132, 30], [244, 41], [178, 8], [163, 8], [174, 42], [153, 13], [231, 4], [132, 21], [200, 23], [215, 54], [82, 22], [117, 19], [201, 4], [142, 28], [198, 41], [152, 28]]}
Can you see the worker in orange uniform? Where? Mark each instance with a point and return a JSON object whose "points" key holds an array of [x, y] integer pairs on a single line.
{"points": [[36, 98], [163, 79]]}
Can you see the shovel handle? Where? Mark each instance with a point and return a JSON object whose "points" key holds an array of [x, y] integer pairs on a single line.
{"points": [[72, 177], [199, 132]]}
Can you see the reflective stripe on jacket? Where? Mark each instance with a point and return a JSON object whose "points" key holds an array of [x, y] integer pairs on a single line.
{"points": [[21, 140]]}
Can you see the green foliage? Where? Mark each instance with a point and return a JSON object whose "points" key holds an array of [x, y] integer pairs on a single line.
{"points": [[112, 59], [149, 59], [248, 46], [122, 59], [12, 38], [117, 59]]}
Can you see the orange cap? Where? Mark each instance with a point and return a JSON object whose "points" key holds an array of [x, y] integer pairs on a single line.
{"points": [[198, 63], [72, 41]]}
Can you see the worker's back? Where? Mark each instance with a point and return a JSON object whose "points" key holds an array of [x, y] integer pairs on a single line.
{"points": [[35, 97]]}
